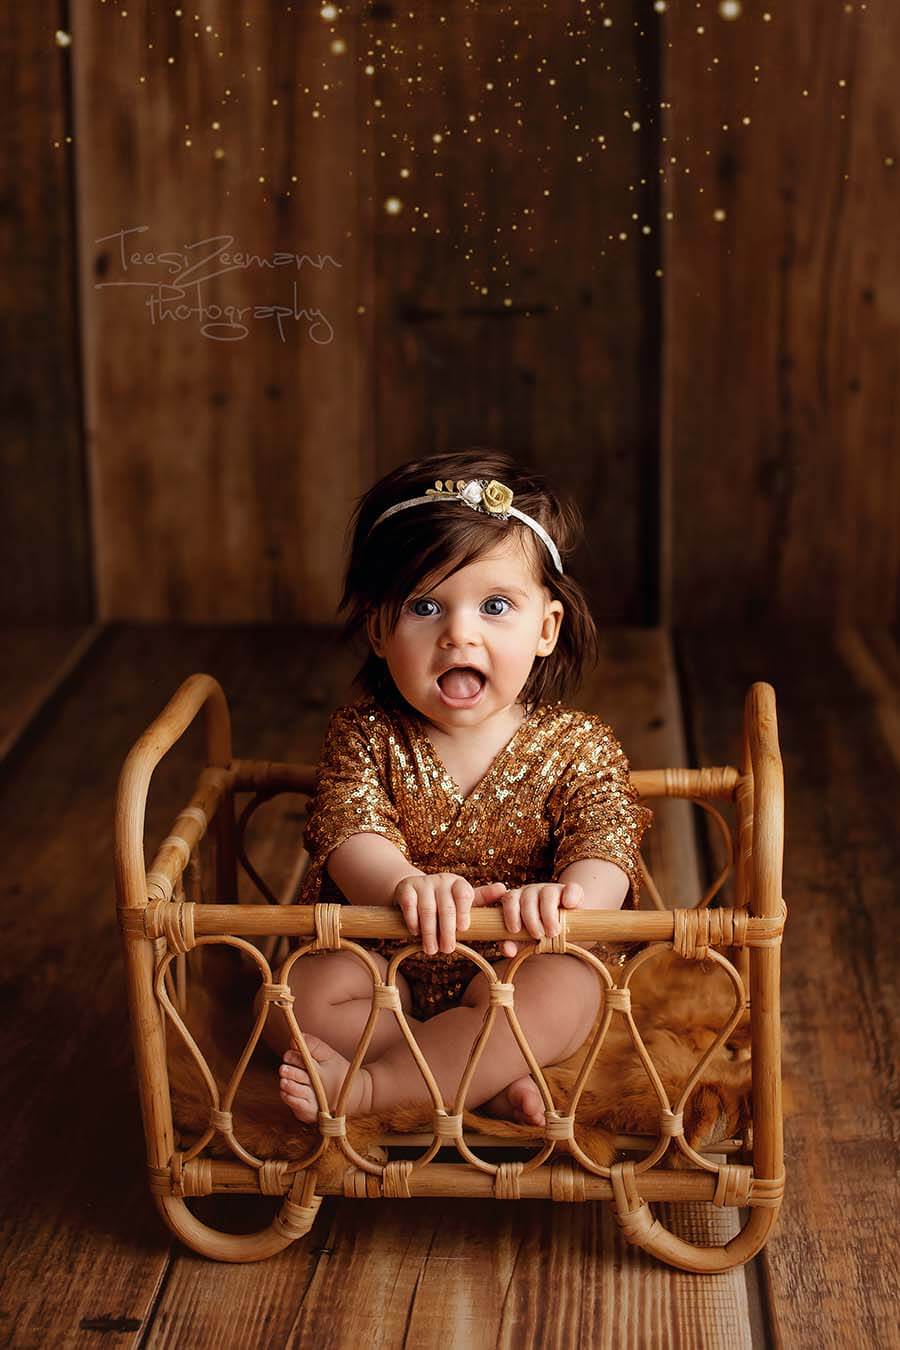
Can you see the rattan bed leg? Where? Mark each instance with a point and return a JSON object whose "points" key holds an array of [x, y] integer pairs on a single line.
{"points": [[235, 1247], [294, 1220], [765, 961], [149, 1040], [640, 1227]]}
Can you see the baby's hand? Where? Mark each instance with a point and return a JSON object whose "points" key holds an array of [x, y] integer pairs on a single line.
{"points": [[536, 908], [442, 900]]}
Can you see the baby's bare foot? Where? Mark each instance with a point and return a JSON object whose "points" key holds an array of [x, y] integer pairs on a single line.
{"points": [[519, 1101], [296, 1089]]}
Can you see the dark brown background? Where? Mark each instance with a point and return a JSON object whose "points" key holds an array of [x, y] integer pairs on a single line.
{"points": [[729, 427]]}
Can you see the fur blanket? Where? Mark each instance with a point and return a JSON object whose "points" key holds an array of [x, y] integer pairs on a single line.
{"points": [[679, 1007]]}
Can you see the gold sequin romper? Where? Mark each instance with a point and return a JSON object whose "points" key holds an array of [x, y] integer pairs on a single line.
{"points": [[558, 791]]}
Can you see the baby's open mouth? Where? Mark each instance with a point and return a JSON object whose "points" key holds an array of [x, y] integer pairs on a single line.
{"points": [[461, 682]]}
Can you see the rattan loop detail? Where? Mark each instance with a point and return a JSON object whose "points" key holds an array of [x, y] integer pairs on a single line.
{"points": [[162, 883], [280, 994], [506, 1181], [360, 1185], [192, 1178], [633, 1215], [194, 813], [395, 1179], [502, 995], [386, 996], [446, 1126], [691, 933], [273, 1177], [766, 1192], [779, 923], [294, 1220], [671, 1124], [175, 841], [567, 1182], [733, 1185], [618, 999], [160, 1180], [172, 920], [558, 1126], [328, 927], [221, 1120], [197, 1177], [334, 1127]]}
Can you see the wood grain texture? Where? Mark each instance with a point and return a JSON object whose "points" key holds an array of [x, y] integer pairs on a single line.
{"points": [[507, 317], [225, 454], [830, 1266], [223, 471], [466, 1273], [39, 659], [781, 480], [44, 530], [82, 1247]]}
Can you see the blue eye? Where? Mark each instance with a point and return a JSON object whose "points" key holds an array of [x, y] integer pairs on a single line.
{"points": [[496, 600], [414, 608]]}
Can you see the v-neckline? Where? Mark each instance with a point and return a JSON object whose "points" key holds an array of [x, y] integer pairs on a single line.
{"points": [[449, 782]]}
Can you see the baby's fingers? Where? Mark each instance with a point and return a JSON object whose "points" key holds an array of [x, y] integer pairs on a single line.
{"points": [[407, 901], [464, 896], [486, 895], [512, 917], [548, 900], [573, 894]]}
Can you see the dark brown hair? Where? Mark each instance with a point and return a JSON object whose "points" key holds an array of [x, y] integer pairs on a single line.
{"points": [[389, 564]]}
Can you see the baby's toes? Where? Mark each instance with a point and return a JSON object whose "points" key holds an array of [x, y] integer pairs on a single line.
{"points": [[297, 1093], [526, 1101]]}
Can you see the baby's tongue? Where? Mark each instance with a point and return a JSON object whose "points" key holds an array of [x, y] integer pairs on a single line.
{"points": [[460, 683]]}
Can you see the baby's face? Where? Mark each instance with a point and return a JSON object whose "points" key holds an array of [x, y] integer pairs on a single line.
{"points": [[490, 619]]}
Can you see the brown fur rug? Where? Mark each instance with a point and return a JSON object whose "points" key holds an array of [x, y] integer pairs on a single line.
{"points": [[679, 1007]]}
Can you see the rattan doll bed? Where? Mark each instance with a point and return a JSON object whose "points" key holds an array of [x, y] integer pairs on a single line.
{"points": [[162, 917]]}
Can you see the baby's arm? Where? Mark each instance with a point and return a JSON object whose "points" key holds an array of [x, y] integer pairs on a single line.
{"points": [[368, 868], [605, 885]]}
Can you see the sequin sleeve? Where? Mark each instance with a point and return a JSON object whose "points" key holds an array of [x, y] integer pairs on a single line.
{"points": [[597, 809], [351, 796]]}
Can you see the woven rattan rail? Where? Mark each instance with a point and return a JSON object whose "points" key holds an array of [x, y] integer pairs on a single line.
{"points": [[160, 922]]}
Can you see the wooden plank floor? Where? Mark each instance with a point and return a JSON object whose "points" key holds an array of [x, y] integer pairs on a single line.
{"points": [[39, 660], [831, 1265], [84, 1255]]}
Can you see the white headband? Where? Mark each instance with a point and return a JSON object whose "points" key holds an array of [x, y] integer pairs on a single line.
{"points": [[481, 494]]}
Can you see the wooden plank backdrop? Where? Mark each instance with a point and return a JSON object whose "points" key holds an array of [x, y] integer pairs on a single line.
{"points": [[514, 314], [223, 471], [718, 393], [45, 546], [223, 465], [782, 352]]}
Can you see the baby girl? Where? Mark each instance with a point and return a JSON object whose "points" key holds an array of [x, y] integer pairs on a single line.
{"points": [[460, 778]]}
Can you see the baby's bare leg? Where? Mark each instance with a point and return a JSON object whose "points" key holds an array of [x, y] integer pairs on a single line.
{"points": [[332, 1000], [556, 1001]]}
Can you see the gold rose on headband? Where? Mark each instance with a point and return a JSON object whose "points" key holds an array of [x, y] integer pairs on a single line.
{"points": [[492, 497]]}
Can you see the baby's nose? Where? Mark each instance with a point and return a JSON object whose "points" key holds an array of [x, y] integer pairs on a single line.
{"points": [[460, 627]]}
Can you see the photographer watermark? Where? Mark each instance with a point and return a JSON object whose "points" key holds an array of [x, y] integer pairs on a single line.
{"points": [[180, 298]]}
